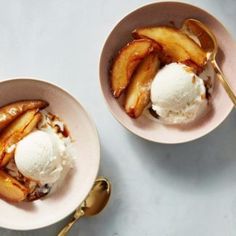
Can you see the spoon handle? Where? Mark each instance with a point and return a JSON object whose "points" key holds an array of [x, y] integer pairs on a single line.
{"points": [[67, 228], [224, 82]]}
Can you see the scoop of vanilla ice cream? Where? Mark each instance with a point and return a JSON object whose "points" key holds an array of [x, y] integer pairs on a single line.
{"points": [[39, 156], [177, 94]]}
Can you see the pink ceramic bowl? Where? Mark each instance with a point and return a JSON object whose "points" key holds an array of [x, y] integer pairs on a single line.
{"points": [[165, 13], [41, 213]]}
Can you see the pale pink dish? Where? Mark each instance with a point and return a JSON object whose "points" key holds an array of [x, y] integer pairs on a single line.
{"points": [[165, 13], [79, 180]]}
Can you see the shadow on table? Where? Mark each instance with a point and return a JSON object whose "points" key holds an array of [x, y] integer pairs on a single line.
{"points": [[207, 163]]}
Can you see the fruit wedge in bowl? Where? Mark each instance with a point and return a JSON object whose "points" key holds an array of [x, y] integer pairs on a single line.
{"points": [[164, 74], [36, 151], [162, 110]]}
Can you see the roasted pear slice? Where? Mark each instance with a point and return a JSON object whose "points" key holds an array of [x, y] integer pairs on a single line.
{"points": [[10, 112], [32, 124], [17, 130], [126, 62], [10, 189], [175, 44], [138, 92]]}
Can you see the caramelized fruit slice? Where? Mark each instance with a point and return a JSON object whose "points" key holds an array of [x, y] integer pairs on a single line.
{"points": [[12, 111], [10, 189], [126, 62], [17, 130], [176, 45], [138, 92]]}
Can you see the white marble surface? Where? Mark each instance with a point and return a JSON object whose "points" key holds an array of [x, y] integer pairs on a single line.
{"points": [[176, 190]]}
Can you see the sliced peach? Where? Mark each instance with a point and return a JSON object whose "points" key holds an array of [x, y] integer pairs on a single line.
{"points": [[10, 112], [17, 130], [175, 44], [138, 92], [10, 189], [32, 124], [126, 62]]}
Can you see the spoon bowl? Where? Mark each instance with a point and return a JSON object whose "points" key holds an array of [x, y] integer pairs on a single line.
{"points": [[206, 38], [97, 198], [95, 202], [209, 43]]}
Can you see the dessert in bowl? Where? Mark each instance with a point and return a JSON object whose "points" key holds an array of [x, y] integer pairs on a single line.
{"points": [[49, 154], [36, 151], [156, 78]]}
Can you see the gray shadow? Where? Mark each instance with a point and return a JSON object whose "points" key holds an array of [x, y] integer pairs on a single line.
{"points": [[208, 163]]}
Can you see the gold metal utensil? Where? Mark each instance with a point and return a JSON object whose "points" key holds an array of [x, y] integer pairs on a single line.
{"points": [[209, 44], [93, 204]]}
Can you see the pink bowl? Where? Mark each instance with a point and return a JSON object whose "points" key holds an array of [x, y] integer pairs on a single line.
{"points": [[164, 13], [41, 213]]}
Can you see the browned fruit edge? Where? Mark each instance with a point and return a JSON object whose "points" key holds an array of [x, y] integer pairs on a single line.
{"points": [[153, 46], [189, 62]]}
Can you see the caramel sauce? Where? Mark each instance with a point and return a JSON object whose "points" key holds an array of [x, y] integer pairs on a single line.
{"points": [[34, 189], [153, 113]]}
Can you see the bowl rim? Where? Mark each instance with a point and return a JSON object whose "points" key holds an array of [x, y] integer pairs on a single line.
{"points": [[101, 76], [96, 135]]}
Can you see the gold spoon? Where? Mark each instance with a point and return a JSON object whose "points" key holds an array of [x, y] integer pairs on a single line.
{"points": [[93, 204], [209, 44]]}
